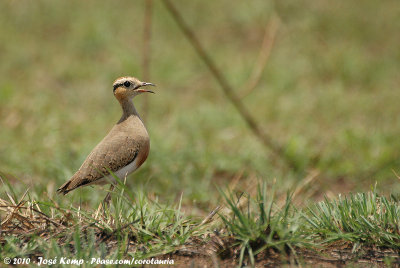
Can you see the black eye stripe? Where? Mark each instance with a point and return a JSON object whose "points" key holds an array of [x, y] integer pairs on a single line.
{"points": [[125, 84], [116, 86]]}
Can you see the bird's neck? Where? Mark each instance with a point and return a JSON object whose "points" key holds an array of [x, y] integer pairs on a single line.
{"points": [[128, 109]]}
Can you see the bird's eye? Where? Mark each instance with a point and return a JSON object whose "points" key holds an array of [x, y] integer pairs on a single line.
{"points": [[127, 84]]}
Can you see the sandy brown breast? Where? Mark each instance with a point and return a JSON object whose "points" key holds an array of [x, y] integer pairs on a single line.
{"points": [[127, 143]]}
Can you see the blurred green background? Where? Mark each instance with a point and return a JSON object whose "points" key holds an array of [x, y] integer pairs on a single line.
{"points": [[329, 93]]}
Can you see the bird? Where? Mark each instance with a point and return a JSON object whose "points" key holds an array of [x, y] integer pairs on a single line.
{"points": [[123, 150]]}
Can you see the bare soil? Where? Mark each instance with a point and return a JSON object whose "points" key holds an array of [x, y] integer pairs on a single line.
{"points": [[331, 257]]}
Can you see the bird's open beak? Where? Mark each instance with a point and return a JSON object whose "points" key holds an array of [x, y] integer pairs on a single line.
{"points": [[139, 89]]}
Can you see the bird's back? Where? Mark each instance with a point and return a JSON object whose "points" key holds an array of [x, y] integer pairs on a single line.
{"points": [[128, 141]]}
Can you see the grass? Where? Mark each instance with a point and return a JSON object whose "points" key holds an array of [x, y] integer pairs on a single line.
{"points": [[327, 95], [132, 220], [257, 224], [134, 226], [363, 218]]}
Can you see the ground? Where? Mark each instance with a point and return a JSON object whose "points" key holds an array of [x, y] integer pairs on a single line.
{"points": [[320, 80]]}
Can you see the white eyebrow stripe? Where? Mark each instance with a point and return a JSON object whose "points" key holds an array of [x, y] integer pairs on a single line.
{"points": [[122, 80]]}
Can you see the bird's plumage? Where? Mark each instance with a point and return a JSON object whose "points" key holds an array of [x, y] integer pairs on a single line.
{"points": [[123, 150]]}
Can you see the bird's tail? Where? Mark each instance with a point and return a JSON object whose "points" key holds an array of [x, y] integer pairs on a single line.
{"points": [[64, 189], [72, 184]]}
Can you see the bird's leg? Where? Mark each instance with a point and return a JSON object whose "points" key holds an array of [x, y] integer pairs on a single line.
{"points": [[106, 202], [107, 199]]}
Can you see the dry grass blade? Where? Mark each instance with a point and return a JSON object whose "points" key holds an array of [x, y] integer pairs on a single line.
{"points": [[301, 189], [265, 51], [23, 196], [11, 199], [210, 216], [16, 208], [13, 214]]}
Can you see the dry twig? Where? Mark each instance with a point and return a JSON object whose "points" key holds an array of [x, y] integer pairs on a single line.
{"points": [[146, 51], [227, 89]]}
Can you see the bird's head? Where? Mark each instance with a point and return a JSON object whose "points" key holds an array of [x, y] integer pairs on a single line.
{"points": [[129, 87]]}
